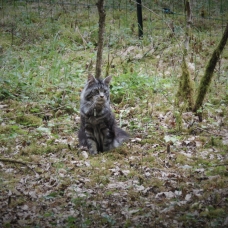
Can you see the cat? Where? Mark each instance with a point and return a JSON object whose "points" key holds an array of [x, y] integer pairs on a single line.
{"points": [[98, 130]]}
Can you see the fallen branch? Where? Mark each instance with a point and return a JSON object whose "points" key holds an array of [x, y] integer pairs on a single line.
{"points": [[15, 161], [18, 162]]}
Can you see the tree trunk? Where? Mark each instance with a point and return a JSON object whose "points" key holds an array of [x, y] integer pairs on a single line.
{"points": [[189, 24], [206, 79], [102, 15], [140, 20], [185, 91]]}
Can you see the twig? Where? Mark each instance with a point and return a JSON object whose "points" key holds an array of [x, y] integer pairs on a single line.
{"points": [[84, 41], [19, 162], [15, 161]]}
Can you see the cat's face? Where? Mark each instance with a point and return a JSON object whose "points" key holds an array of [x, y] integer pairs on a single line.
{"points": [[100, 95], [97, 91]]}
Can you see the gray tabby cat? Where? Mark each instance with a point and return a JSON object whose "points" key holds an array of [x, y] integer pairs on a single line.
{"points": [[98, 130]]}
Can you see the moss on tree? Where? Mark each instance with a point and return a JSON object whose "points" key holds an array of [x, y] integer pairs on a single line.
{"points": [[186, 87], [206, 79]]}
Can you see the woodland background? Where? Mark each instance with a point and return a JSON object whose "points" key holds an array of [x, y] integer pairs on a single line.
{"points": [[173, 172]]}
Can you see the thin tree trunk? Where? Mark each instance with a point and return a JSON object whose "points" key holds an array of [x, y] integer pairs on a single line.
{"points": [[206, 79], [102, 15], [185, 91], [140, 20], [189, 24]]}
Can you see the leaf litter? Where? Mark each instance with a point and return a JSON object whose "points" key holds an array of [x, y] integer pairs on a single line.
{"points": [[144, 184]]}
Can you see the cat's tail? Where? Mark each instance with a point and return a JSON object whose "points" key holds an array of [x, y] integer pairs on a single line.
{"points": [[121, 136]]}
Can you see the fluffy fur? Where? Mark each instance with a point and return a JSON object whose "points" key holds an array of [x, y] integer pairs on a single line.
{"points": [[98, 130]]}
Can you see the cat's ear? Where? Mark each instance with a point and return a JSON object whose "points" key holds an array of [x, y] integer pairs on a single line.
{"points": [[91, 79], [107, 80]]}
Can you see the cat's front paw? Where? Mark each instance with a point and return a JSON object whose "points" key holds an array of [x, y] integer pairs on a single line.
{"points": [[93, 152]]}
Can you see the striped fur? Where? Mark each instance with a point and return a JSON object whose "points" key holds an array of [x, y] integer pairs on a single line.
{"points": [[98, 130]]}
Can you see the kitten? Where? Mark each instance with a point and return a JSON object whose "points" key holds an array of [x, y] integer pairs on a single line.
{"points": [[98, 130]]}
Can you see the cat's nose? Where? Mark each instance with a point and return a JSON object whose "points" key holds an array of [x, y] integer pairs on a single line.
{"points": [[101, 95]]}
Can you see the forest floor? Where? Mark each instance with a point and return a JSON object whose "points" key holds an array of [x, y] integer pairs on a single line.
{"points": [[173, 171]]}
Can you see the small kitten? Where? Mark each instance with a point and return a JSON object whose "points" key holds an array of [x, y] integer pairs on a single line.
{"points": [[98, 130]]}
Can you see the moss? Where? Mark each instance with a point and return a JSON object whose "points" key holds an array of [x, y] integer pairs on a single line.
{"points": [[9, 129], [99, 176], [103, 180], [212, 213], [133, 195], [9, 115], [225, 54], [35, 149], [208, 75], [199, 161], [186, 87], [219, 170], [15, 104], [218, 181], [215, 141], [181, 159], [35, 109], [29, 120], [150, 141], [216, 101], [150, 159], [123, 150]]}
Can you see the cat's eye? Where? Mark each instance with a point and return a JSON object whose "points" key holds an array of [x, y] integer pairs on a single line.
{"points": [[96, 91]]}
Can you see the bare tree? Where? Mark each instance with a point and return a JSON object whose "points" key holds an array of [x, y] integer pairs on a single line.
{"points": [[102, 15], [188, 12]]}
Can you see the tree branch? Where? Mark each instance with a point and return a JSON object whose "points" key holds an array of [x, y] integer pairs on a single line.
{"points": [[206, 79], [15, 161]]}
